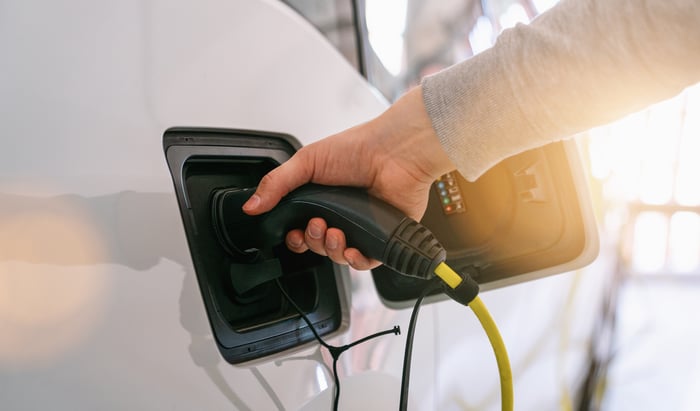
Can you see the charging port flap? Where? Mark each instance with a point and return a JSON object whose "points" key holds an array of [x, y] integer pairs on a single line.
{"points": [[527, 217]]}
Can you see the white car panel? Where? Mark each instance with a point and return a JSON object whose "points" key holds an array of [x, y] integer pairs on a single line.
{"points": [[99, 306]]}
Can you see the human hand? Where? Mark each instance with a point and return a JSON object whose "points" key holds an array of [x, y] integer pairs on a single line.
{"points": [[395, 156]]}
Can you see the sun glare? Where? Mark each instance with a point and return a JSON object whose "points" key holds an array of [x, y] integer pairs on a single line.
{"points": [[649, 165]]}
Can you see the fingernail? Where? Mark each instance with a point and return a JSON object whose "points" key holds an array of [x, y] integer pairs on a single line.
{"points": [[331, 242], [295, 242], [252, 203], [315, 231]]}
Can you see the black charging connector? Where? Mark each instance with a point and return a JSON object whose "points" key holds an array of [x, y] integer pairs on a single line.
{"points": [[377, 229]]}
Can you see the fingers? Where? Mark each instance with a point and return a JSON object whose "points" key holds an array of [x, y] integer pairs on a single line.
{"points": [[295, 241], [329, 242], [314, 238], [325, 241]]}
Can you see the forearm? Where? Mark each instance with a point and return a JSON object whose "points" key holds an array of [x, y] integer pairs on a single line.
{"points": [[582, 64]]}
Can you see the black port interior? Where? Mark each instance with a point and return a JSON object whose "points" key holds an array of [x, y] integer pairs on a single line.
{"points": [[263, 304], [259, 321]]}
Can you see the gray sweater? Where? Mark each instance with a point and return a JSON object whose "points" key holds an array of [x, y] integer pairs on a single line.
{"points": [[581, 64]]}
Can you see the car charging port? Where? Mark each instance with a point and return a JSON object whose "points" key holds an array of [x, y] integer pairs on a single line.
{"points": [[249, 316]]}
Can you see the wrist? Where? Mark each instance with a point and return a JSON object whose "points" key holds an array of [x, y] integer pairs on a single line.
{"points": [[414, 136]]}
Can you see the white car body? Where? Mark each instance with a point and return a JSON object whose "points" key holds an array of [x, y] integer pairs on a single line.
{"points": [[99, 305]]}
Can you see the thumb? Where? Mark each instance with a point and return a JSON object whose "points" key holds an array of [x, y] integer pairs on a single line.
{"points": [[278, 183]]}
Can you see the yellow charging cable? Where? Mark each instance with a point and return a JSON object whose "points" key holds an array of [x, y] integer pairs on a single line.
{"points": [[452, 279]]}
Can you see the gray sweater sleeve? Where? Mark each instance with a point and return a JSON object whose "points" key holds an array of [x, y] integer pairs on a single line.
{"points": [[581, 64]]}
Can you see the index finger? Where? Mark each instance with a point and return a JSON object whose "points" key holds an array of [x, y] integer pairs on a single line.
{"points": [[279, 182]]}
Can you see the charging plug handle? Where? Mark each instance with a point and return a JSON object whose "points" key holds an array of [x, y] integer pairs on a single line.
{"points": [[377, 229]]}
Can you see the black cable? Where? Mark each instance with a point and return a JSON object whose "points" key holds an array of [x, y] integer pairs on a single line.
{"points": [[432, 285], [333, 350]]}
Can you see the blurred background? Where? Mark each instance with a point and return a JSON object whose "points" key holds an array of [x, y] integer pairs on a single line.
{"points": [[643, 173]]}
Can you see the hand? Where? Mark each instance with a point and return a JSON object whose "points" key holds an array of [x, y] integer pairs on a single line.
{"points": [[396, 156]]}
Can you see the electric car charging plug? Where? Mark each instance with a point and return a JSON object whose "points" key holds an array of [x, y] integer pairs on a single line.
{"points": [[377, 229]]}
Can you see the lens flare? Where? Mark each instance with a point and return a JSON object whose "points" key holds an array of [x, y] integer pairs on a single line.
{"points": [[52, 292]]}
